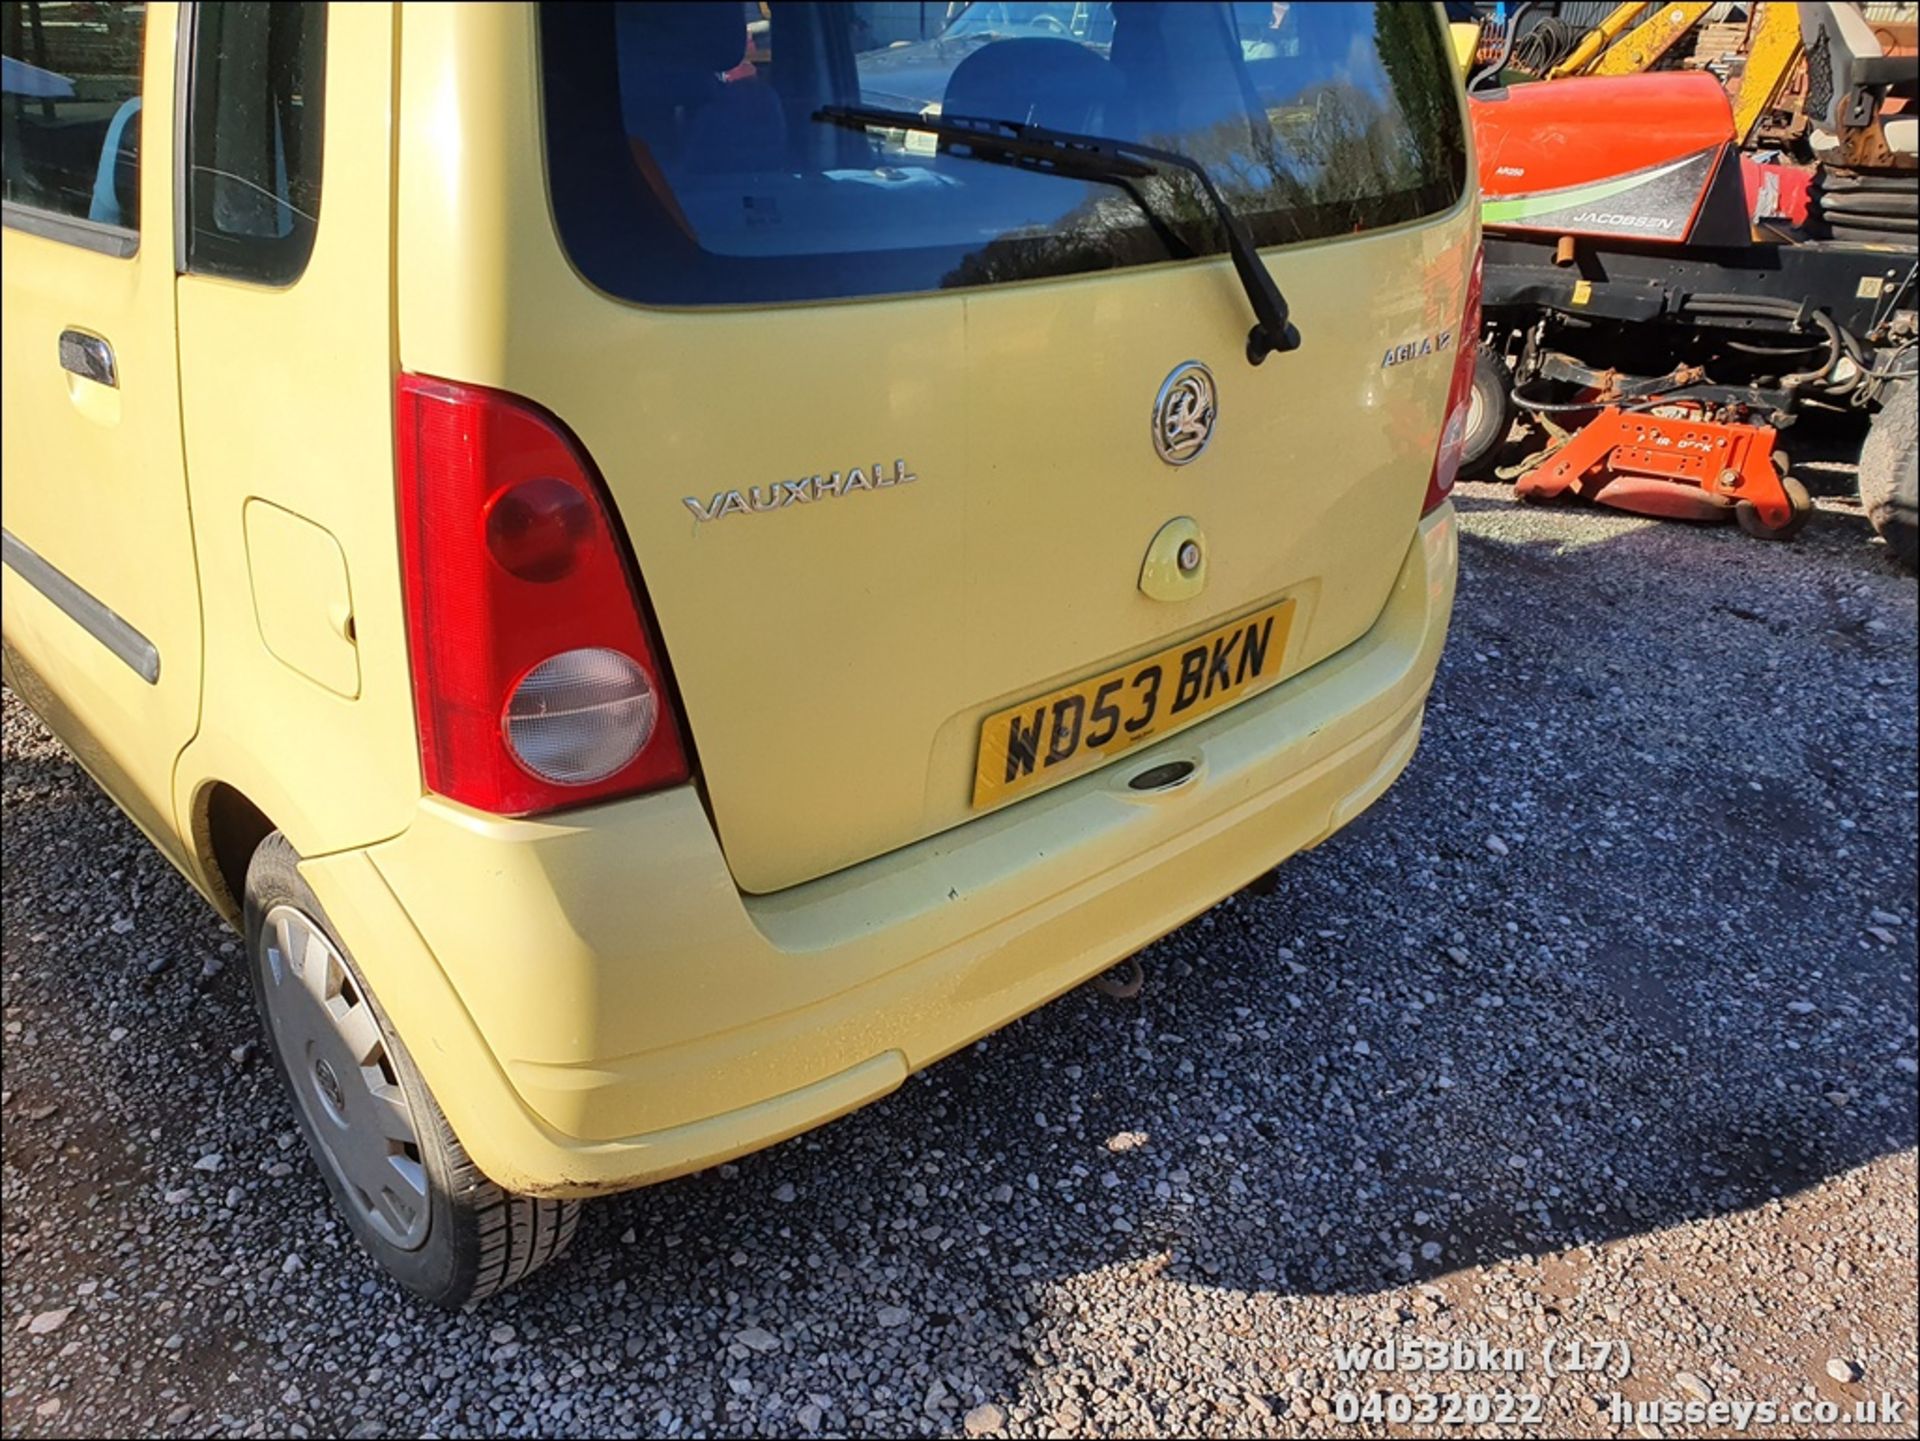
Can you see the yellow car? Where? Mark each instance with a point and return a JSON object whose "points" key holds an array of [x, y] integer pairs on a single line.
{"points": [[666, 588]]}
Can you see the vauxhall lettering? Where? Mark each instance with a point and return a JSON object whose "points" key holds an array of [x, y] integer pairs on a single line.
{"points": [[758, 499]]}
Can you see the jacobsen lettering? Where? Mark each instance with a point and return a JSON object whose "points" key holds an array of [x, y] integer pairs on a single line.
{"points": [[759, 499], [1614, 220]]}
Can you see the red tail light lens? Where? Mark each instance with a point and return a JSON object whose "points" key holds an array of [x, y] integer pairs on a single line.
{"points": [[1453, 436], [536, 683], [540, 528]]}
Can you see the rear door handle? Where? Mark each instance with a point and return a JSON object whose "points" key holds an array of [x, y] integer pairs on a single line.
{"points": [[89, 357]]}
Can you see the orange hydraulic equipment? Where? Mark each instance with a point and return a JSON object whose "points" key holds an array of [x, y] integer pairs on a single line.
{"points": [[1683, 466]]}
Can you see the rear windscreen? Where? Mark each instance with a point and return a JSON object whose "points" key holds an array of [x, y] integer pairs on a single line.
{"points": [[691, 164]]}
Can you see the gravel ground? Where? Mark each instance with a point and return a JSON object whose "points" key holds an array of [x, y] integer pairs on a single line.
{"points": [[1600, 1027]]}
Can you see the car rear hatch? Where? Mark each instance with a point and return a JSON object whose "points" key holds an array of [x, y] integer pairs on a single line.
{"points": [[880, 492]]}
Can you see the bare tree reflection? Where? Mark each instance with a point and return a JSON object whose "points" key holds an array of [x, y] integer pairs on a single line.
{"points": [[1329, 160]]}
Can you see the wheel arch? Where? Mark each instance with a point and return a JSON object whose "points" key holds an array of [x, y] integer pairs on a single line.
{"points": [[227, 827]]}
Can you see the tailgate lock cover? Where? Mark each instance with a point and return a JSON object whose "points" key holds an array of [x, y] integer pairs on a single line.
{"points": [[1176, 563]]}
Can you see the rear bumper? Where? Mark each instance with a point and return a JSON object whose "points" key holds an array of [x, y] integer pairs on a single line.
{"points": [[597, 1006]]}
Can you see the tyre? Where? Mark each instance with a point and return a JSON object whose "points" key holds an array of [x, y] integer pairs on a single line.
{"points": [[1489, 414], [1890, 472], [397, 1172]]}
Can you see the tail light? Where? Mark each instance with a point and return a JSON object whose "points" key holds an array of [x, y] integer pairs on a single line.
{"points": [[536, 682], [1453, 436]]}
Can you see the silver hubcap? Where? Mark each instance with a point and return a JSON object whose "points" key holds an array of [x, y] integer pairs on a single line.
{"points": [[343, 1077]]}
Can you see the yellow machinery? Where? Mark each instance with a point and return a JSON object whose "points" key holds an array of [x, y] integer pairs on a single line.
{"points": [[1614, 49], [1773, 49], [1635, 36], [1596, 44]]}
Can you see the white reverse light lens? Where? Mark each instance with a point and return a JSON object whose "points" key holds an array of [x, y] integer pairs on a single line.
{"points": [[580, 716], [1453, 445]]}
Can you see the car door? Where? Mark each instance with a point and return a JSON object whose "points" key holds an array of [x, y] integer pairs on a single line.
{"points": [[101, 601]]}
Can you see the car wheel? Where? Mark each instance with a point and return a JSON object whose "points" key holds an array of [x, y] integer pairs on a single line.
{"points": [[1489, 414], [1890, 473], [397, 1172]]}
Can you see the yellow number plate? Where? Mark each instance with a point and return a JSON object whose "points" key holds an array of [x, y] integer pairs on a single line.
{"points": [[1066, 731]]}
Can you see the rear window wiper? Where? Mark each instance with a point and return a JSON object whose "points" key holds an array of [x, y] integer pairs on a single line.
{"points": [[1101, 159]]}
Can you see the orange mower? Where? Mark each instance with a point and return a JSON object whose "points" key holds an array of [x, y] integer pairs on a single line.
{"points": [[1676, 459]]}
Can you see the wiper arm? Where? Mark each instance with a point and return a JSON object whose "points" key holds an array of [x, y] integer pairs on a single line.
{"points": [[1102, 159]]}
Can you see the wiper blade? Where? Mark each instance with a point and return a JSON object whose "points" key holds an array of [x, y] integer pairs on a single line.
{"points": [[1103, 159]]}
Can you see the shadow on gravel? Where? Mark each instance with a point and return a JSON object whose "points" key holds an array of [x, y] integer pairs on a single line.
{"points": [[1660, 1001], [1599, 964]]}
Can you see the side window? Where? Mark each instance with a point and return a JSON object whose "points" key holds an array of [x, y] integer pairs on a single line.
{"points": [[254, 137], [70, 108]]}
